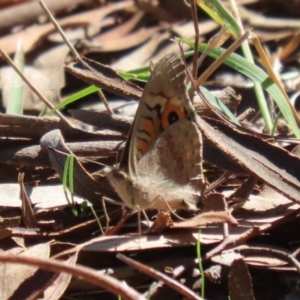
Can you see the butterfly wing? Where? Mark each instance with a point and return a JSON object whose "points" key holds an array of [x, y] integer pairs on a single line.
{"points": [[173, 165], [163, 102], [165, 146]]}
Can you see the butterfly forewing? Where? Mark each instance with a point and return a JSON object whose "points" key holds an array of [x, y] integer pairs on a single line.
{"points": [[164, 92], [164, 149]]}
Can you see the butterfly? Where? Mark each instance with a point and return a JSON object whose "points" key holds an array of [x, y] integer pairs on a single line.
{"points": [[161, 167]]}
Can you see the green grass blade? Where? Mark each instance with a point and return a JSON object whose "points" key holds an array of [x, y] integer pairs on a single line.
{"points": [[234, 28], [199, 256], [141, 75], [65, 173], [15, 100], [43, 112], [85, 92], [71, 174], [219, 105], [209, 9], [256, 74], [67, 181], [132, 75], [90, 205], [221, 15]]}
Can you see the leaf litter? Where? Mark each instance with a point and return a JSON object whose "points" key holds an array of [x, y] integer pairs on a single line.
{"points": [[257, 219]]}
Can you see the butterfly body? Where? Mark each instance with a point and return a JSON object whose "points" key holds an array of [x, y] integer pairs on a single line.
{"points": [[164, 149]]}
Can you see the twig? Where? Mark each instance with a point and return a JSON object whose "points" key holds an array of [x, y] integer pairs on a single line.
{"points": [[58, 28], [197, 33], [89, 275], [221, 59], [106, 104], [73, 50]]}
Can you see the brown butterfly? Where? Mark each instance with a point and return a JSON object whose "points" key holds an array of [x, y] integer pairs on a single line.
{"points": [[163, 154]]}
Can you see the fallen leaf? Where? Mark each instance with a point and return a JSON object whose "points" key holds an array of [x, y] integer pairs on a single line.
{"points": [[15, 275], [32, 35], [214, 211], [271, 164], [239, 281], [61, 282]]}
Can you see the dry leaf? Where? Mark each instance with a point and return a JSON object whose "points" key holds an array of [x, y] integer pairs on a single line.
{"points": [[214, 211], [239, 281], [14, 275], [61, 282]]}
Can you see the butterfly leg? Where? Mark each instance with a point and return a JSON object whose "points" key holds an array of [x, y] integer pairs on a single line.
{"points": [[105, 213], [146, 217], [138, 210], [105, 199]]}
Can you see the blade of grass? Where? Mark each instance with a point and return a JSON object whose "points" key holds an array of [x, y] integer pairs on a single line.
{"points": [[221, 58], [221, 15], [271, 73], [33, 88], [68, 182], [65, 175], [15, 100], [253, 72], [211, 12], [237, 30], [71, 174], [141, 75], [43, 112], [275, 124], [136, 75], [90, 205], [198, 250], [82, 93], [219, 105]]}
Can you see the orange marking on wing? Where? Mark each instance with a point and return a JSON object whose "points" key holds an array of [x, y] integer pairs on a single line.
{"points": [[168, 109], [142, 146], [147, 126]]}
